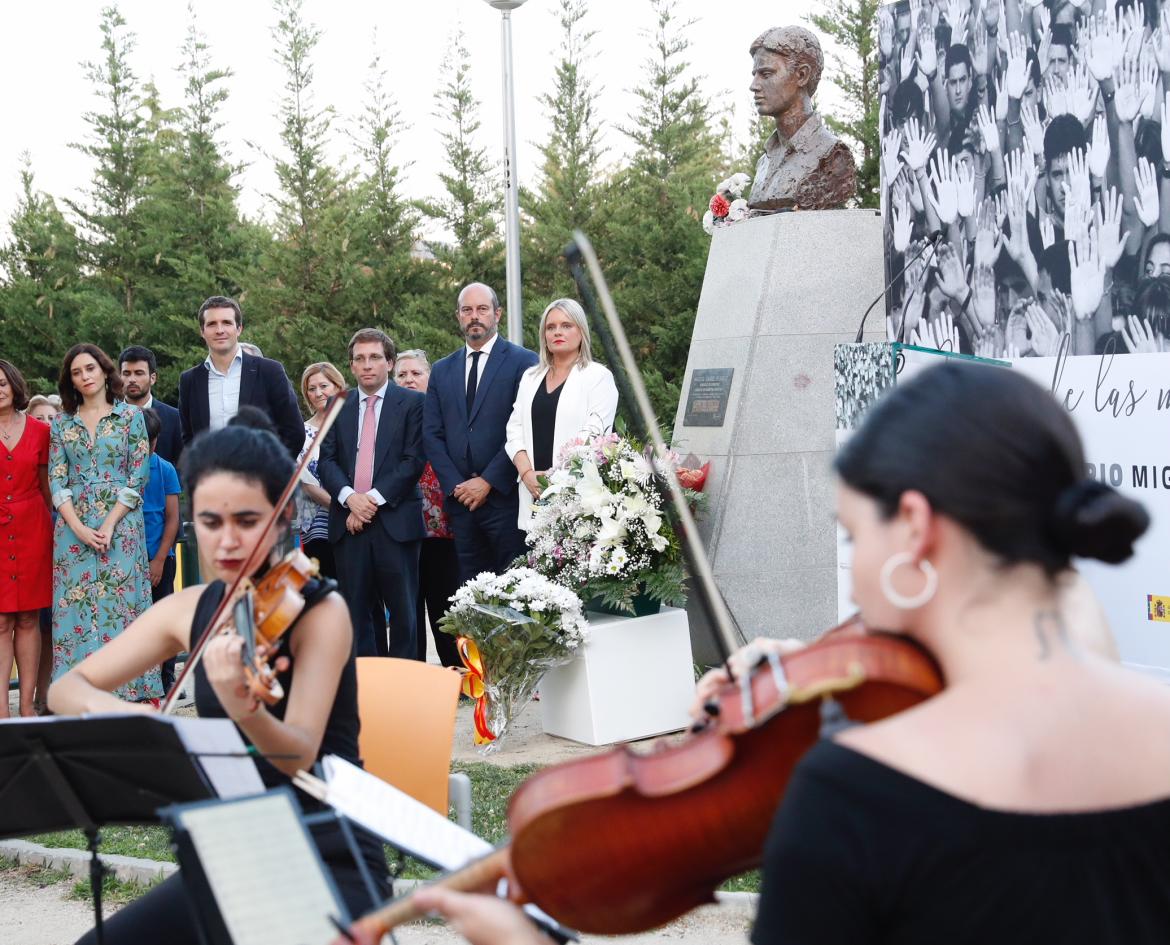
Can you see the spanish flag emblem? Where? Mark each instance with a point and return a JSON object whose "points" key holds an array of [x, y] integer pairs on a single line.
{"points": [[1158, 608]]}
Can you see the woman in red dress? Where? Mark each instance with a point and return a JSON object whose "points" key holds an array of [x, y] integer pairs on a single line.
{"points": [[26, 535]]}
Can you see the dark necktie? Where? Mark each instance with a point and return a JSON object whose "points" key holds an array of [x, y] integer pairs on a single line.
{"points": [[472, 380]]}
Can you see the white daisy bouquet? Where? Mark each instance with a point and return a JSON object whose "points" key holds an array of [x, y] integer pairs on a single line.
{"points": [[511, 628], [599, 528]]}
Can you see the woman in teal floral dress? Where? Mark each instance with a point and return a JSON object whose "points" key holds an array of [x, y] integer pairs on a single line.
{"points": [[98, 464]]}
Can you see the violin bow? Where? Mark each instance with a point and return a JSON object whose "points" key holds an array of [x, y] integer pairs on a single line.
{"points": [[250, 563], [580, 256]]}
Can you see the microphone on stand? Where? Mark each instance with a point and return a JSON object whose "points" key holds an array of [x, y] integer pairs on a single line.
{"points": [[932, 244]]}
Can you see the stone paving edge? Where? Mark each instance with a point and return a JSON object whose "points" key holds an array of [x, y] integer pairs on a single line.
{"points": [[133, 869], [129, 869]]}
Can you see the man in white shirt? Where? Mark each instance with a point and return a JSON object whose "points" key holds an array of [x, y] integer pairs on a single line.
{"points": [[468, 403], [370, 463], [211, 393]]}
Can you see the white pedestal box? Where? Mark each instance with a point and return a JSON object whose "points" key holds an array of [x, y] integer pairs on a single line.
{"points": [[633, 679]]}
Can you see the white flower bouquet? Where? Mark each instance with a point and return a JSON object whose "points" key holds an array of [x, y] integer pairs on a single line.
{"points": [[599, 529], [511, 629]]}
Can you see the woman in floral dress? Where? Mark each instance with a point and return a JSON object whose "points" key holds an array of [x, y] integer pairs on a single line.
{"points": [[98, 463]]}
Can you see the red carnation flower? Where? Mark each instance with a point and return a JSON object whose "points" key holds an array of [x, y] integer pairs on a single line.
{"points": [[719, 206]]}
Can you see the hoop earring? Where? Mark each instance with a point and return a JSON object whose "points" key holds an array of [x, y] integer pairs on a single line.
{"points": [[901, 601]]}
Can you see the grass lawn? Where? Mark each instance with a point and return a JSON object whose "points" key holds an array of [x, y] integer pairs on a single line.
{"points": [[491, 786]]}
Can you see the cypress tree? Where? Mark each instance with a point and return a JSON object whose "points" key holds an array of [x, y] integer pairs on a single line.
{"points": [[851, 24], [298, 305], [42, 296], [654, 248], [199, 244], [469, 209], [395, 286], [566, 194], [117, 144]]}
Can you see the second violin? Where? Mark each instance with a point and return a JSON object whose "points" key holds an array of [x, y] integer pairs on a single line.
{"points": [[622, 842]]}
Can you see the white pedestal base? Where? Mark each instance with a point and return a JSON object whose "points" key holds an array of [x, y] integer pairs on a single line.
{"points": [[634, 679]]}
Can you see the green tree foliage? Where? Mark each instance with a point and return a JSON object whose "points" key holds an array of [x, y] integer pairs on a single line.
{"points": [[159, 227], [565, 197], [653, 248], [189, 213], [397, 288], [851, 24], [42, 293], [299, 306], [117, 144], [469, 209]]}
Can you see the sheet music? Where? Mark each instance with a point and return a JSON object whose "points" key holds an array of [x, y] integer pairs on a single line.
{"points": [[398, 818], [267, 880], [229, 777]]}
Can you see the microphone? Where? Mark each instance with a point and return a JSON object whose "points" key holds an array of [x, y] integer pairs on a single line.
{"points": [[932, 244]]}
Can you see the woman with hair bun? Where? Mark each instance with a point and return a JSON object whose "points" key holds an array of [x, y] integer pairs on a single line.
{"points": [[1029, 801], [234, 477]]}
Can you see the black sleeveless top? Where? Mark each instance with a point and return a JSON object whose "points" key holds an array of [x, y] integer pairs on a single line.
{"points": [[341, 729], [544, 422], [340, 738], [863, 854]]}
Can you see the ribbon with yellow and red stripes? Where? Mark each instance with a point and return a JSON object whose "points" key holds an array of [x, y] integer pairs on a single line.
{"points": [[474, 688]]}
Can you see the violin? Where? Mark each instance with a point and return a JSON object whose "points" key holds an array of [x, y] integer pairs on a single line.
{"points": [[623, 842], [263, 611], [280, 586]]}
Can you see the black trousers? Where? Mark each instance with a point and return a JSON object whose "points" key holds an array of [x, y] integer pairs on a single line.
{"points": [[378, 574], [486, 539], [438, 579], [320, 549], [164, 588]]}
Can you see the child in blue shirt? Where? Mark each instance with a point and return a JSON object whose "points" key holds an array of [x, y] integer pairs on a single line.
{"points": [[160, 509]]}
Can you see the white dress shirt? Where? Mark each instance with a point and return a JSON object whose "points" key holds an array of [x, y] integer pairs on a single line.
{"points": [[380, 395], [223, 390], [486, 352]]}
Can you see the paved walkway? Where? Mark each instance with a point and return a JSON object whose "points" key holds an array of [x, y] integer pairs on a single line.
{"points": [[34, 914]]}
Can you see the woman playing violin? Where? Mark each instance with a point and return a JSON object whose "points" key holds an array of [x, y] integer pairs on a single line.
{"points": [[235, 476], [1029, 801]]}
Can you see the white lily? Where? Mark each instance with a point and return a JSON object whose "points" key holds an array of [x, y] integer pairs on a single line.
{"points": [[611, 532], [593, 493]]}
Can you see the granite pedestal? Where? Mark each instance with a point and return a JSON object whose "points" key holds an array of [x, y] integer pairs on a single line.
{"points": [[779, 293]]}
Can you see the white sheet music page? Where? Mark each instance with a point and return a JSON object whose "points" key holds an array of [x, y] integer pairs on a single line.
{"points": [[266, 878], [398, 818], [222, 754]]}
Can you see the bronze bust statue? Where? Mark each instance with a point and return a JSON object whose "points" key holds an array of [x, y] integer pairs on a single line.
{"points": [[804, 165]]}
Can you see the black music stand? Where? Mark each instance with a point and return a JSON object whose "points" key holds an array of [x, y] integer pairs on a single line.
{"points": [[61, 773], [274, 848]]}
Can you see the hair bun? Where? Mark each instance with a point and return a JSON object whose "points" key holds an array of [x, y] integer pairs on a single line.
{"points": [[253, 418], [1093, 520]]}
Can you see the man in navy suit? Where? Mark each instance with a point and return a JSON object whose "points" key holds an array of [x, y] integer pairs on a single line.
{"points": [[139, 370], [468, 403], [211, 393], [369, 463]]}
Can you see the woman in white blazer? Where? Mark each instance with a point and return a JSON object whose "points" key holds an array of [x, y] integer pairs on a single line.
{"points": [[565, 396]]}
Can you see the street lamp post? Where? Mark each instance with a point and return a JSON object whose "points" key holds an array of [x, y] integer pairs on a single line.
{"points": [[511, 185]]}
